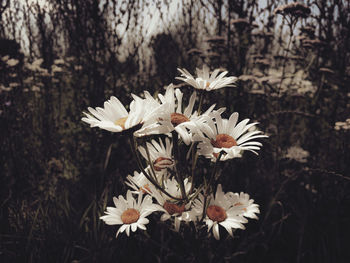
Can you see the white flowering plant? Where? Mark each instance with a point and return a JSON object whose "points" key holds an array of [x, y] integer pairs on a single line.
{"points": [[167, 138]]}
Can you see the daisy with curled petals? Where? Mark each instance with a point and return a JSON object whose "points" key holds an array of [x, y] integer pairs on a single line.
{"points": [[172, 208], [225, 135], [246, 205], [115, 118], [130, 213], [182, 121], [219, 211], [160, 154], [138, 183], [207, 81]]}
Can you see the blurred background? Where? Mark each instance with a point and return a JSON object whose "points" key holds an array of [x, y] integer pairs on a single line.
{"points": [[57, 57]]}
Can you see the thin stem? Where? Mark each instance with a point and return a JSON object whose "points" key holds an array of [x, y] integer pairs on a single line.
{"points": [[194, 163], [201, 96], [178, 171], [150, 162], [209, 186]]}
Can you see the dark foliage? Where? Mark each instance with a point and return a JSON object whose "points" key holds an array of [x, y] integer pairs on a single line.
{"points": [[58, 175]]}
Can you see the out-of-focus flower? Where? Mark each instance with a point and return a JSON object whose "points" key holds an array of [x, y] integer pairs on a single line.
{"points": [[12, 62], [207, 81], [3, 88], [35, 89], [78, 67], [35, 65], [220, 211], [297, 153], [227, 136], [294, 9], [130, 213], [340, 125], [55, 69], [58, 61], [28, 80], [14, 85]]}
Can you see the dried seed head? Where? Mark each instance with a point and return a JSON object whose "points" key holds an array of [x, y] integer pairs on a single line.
{"points": [[293, 9]]}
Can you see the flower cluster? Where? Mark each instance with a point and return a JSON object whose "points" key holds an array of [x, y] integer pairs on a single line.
{"points": [[293, 9], [165, 180]]}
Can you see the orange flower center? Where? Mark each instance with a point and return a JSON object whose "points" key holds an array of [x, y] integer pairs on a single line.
{"points": [[223, 141], [173, 208], [121, 122], [177, 118], [130, 216], [160, 162], [207, 85], [216, 213]]}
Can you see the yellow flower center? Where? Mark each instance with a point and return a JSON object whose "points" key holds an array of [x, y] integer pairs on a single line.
{"points": [[130, 216], [177, 118], [216, 213], [223, 141], [173, 208], [161, 161], [121, 122]]}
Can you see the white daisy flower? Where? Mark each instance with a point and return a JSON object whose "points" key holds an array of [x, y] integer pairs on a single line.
{"points": [[139, 182], [172, 208], [219, 211], [207, 81], [115, 118], [225, 135], [130, 213], [246, 205], [160, 155], [182, 121]]}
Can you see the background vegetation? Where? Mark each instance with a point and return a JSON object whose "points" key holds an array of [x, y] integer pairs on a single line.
{"points": [[57, 174]]}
